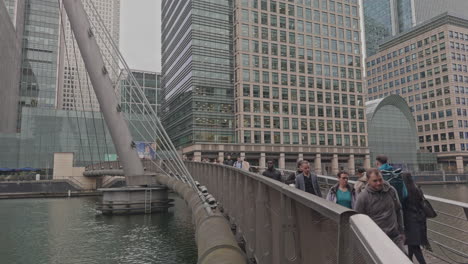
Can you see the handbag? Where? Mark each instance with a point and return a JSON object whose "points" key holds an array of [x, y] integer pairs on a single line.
{"points": [[427, 208]]}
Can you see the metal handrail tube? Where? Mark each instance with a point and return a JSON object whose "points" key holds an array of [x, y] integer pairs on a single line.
{"points": [[449, 226], [370, 235], [449, 237]]}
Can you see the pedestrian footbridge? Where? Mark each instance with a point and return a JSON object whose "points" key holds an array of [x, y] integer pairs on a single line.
{"points": [[240, 216]]}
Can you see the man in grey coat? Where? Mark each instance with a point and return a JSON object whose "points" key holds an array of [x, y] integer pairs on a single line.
{"points": [[307, 181], [379, 200]]}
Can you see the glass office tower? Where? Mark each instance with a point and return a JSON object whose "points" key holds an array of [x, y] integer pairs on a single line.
{"points": [[38, 84], [197, 69]]}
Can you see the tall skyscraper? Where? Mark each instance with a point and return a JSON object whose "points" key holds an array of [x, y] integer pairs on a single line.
{"points": [[428, 67], [386, 18], [297, 78], [75, 91], [38, 84], [197, 69]]}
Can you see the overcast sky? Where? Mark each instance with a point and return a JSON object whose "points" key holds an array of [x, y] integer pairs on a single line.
{"points": [[140, 31]]}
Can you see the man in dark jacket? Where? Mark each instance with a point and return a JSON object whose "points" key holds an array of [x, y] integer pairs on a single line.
{"points": [[228, 161], [379, 200], [292, 177], [271, 172], [307, 181]]}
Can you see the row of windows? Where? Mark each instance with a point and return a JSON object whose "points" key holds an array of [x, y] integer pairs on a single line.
{"points": [[303, 110], [299, 53], [410, 58], [458, 46], [462, 101], [458, 35], [409, 78], [303, 139], [409, 48], [294, 80], [458, 56], [317, 69], [422, 85], [283, 8], [307, 41], [303, 124], [437, 137], [441, 148], [311, 28], [290, 23], [435, 115], [459, 67], [417, 97], [440, 125], [300, 95], [300, 67]]}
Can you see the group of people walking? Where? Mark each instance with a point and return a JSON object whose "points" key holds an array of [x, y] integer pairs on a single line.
{"points": [[392, 200]]}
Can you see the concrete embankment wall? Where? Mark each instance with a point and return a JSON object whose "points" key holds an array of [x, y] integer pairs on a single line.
{"points": [[36, 186], [40, 189]]}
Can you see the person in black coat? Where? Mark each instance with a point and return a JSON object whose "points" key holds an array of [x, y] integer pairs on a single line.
{"points": [[228, 161], [292, 177], [414, 219], [271, 172]]}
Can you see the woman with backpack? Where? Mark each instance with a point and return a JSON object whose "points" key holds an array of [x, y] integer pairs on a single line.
{"points": [[414, 219]]}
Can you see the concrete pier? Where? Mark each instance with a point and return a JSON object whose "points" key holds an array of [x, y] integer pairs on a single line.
{"points": [[134, 200]]}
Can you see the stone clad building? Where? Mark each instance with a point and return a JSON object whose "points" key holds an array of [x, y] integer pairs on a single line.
{"points": [[427, 66]]}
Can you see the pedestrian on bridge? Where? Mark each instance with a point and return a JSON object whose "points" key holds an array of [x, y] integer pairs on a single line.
{"points": [[292, 177], [379, 200], [342, 192], [415, 220], [391, 176], [362, 180], [228, 161], [307, 181], [271, 172], [242, 164]]}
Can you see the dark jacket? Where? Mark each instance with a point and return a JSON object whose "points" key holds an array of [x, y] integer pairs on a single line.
{"points": [[229, 162], [300, 184], [331, 196], [272, 174], [383, 207], [292, 177], [415, 221]]}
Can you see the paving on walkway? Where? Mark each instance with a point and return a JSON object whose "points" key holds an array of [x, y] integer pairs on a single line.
{"points": [[431, 259]]}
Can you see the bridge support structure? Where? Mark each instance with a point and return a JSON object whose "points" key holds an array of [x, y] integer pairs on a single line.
{"points": [[128, 198]]}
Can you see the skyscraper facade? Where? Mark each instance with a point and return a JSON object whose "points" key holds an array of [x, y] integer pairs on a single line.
{"points": [[386, 18], [297, 79], [40, 49], [75, 91], [427, 66], [197, 68]]}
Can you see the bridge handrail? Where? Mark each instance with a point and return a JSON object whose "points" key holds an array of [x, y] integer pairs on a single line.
{"points": [[428, 197], [446, 202], [260, 206]]}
